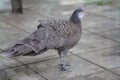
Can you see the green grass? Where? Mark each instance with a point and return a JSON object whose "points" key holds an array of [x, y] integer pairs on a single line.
{"points": [[101, 2], [4, 11]]}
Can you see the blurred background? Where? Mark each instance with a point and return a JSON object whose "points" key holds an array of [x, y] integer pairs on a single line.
{"points": [[95, 57]]}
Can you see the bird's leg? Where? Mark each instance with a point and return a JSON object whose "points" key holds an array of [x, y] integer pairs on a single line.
{"points": [[65, 66]]}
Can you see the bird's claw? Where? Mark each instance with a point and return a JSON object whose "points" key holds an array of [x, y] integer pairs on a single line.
{"points": [[65, 67]]}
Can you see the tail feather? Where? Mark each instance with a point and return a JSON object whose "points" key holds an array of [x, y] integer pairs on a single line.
{"points": [[32, 53], [34, 44]]}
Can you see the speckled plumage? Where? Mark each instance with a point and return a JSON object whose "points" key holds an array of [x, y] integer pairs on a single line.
{"points": [[60, 35], [54, 34]]}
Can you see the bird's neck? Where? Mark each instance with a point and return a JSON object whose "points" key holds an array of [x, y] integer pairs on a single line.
{"points": [[75, 18]]}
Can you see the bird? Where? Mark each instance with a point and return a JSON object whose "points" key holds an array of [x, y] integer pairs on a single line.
{"points": [[60, 35]]}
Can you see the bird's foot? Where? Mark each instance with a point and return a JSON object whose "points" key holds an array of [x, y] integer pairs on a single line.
{"points": [[65, 67]]}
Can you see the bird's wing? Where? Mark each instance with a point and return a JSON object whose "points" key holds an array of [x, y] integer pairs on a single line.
{"points": [[51, 33], [62, 27], [36, 41]]}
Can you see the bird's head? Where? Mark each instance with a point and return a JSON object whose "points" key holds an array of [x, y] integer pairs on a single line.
{"points": [[78, 15]]}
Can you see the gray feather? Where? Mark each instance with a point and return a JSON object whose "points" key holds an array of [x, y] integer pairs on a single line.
{"points": [[51, 34]]}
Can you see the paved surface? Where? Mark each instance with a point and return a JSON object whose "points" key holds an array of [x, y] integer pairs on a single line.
{"points": [[96, 56]]}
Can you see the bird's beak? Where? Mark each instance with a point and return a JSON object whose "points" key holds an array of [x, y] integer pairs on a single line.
{"points": [[84, 12]]}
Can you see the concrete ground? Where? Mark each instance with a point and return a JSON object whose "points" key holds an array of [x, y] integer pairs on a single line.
{"points": [[95, 57]]}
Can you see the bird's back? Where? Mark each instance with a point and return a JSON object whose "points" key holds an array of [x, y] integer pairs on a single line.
{"points": [[61, 33]]}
